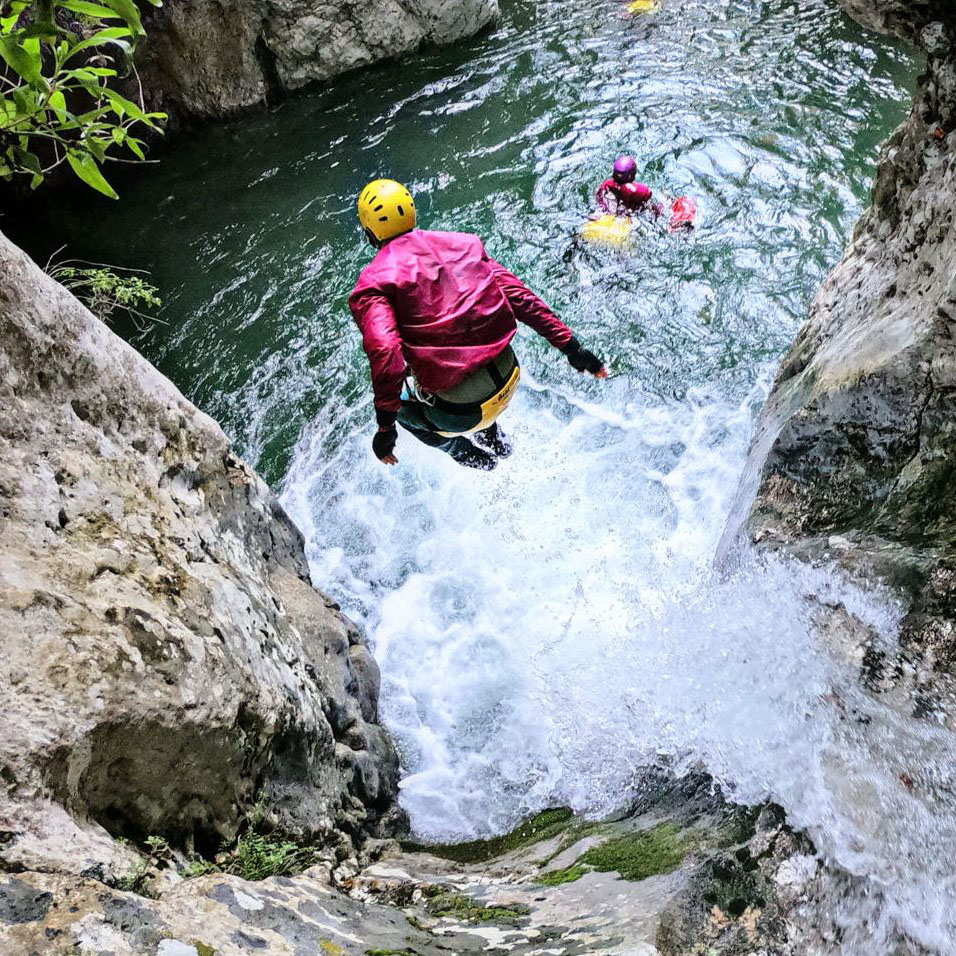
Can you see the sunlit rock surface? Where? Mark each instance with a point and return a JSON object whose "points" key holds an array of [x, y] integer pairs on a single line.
{"points": [[686, 874], [855, 455], [164, 659], [207, 59]]}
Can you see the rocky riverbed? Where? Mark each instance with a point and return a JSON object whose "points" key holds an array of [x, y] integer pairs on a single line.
{"points": [[683, 870]]}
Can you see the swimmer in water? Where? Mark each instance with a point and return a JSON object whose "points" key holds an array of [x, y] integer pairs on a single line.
{"points": [[621, 195]]}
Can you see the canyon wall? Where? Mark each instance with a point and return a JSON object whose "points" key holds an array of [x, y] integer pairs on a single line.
{"points": [[207, 58], [855, 454], [165, 662]]}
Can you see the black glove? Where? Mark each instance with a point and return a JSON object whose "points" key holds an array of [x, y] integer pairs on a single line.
{"points": [[581, 359], [383, 444]]}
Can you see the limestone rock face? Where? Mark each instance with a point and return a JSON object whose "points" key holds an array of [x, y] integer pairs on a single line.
{"points": [[210, 57], [857, 444], [905, 17], [164, 659]]}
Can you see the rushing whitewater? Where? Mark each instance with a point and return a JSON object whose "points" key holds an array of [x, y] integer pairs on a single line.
{"points": [[547, 631]]}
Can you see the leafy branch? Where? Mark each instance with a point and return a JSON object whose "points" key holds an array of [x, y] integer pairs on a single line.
{"points": [[106, 289], [57, 106]]}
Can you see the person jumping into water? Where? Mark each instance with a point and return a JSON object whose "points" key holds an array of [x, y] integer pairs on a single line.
{"points": [[629, 196], [437, 316]]}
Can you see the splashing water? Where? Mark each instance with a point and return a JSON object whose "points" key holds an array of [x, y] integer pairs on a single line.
{"points": [[550, 630]]}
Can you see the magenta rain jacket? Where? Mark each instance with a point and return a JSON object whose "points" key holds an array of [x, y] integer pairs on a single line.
{"points": [[632, 196], [438, 304]]}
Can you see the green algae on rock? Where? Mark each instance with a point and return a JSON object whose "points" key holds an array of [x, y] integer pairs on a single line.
{"points": [[568, 874], [540, 827], [466, 908], [638, 855]]}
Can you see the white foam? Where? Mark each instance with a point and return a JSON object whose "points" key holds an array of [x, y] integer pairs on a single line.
{"points": [[546, 630]]}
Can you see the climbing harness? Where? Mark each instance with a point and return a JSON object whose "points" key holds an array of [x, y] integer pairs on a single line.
{"points": [[474, 404]]}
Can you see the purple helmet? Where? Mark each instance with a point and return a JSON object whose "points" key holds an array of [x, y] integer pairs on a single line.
{"points": [[625, 169]]}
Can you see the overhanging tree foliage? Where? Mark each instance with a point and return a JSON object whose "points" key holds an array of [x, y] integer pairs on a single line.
{"points": [[60, 58]]}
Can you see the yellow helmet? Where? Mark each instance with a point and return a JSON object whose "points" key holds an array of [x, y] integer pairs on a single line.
{"points": [[385, 210]]}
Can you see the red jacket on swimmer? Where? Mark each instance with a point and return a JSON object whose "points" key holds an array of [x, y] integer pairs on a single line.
{"points": [[629, 195], [437, 304]]}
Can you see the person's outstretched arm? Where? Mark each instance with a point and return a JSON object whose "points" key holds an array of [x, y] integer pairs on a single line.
{"points": [[601, 196], [532, 311], [375, 317]]}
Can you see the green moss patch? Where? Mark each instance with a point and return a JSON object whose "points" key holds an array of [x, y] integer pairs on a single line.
{"points": [[636, 856], [545, 825], [459, 906], [556, 877]]}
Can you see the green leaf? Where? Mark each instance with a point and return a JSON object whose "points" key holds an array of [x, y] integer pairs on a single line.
{"points": [[96, 148], [96, 10], [119, 135], [127, 10], [22, 60], [92, 118], [7, 23], [86, 168], [29, 161], [58, 104], [135, 146], [88, 73], [123, 105], [26, 100], [100, 38]]}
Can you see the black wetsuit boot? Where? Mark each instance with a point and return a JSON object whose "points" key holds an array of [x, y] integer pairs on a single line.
{"points": [[494, 439], [473, 456]]}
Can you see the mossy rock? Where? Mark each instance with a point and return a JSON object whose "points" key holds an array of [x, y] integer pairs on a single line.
{"points": [[638, 855], [543, 826], [729, 908], [738, 826], [461, 907], [734, 884], [567, 875]]}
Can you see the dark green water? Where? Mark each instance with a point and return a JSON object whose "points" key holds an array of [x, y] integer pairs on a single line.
{"points": [[769, 113]]}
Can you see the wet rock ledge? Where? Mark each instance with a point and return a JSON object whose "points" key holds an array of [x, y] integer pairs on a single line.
{"points": [[683, 874], [855, 454]]}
